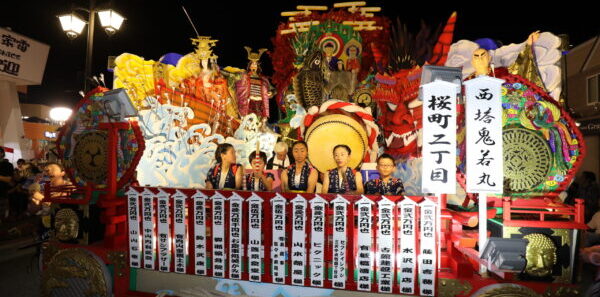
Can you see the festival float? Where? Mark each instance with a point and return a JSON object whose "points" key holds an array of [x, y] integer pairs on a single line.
{"points": [[481, 143]]}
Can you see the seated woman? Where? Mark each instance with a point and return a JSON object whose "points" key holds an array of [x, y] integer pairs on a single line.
{"points": [[342, 180], [300, 177], [226, 174], [385, 184], [258, 180]]}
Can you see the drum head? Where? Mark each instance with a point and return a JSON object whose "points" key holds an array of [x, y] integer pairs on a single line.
{"points": [[330, 130]]}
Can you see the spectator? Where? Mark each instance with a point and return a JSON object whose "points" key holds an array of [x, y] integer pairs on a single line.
{"points": [[589, 192], [7, 171]]}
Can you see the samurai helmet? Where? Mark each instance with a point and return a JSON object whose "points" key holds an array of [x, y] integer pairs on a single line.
{"points": [[254, 57]]}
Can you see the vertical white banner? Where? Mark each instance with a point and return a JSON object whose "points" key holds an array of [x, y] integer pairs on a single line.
{"points": [[407, 248], [133, 216], [181, 239], [199, 199], [439, 138], [236, 248], [317, 241], [364, 261], [164, 231], [218, 216], [340, 242], [255, 255], [385, 245], [484, 135], [149, 210], [428, 248], [278, 249], [298, 240]]}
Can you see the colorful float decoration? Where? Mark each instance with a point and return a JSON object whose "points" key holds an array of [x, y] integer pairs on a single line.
{"points": [[343, 76]]}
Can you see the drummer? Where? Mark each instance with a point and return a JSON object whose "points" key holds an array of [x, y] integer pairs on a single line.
{"points": [[342, 180], [385, 184], [258, 179], [300, 177], [226, 174]]}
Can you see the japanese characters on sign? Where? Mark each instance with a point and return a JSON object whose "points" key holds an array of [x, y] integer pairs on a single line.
{"points": [[317, 241], [236, 249], [364, 259], [199, 200], [439, 138], [255, 248], [278, 249], [164, 232], [298, 240], [407, 248], [428, 248], [21, 58], [133, 217], [218, 213], [148, 210], [340, 242], [181, 241], [484, 135], [385, 245]]}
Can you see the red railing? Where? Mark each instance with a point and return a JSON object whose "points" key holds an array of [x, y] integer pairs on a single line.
{"points": [[542, 213]]}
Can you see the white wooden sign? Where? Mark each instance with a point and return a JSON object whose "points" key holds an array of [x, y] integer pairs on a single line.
{"points": [[236, 249], [219, 256], [255, 255], [199, 200], [340, 242], [181, 241], [407, 248], [385, 245], [149, 212], [164, 232], [484, 135], [439, 138], [428, 248], [365, 234], [298, 240], [278, 249], [133, 216], [317, 241]]}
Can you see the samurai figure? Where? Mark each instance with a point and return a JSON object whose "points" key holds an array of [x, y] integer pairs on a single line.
{"points": [[253, 90]]}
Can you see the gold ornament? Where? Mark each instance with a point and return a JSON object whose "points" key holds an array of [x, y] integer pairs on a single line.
{"points": [[204, 47], [89, 157], [527, 159], [540, 254], [75, 272], [510, 291], [453, 287], [66, 224], [254, 57]]}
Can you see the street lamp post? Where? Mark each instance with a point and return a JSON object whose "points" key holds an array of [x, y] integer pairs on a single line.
{"points": [[73, 25]]}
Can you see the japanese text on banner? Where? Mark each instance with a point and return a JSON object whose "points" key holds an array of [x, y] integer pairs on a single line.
{"points": [[439, 138]]}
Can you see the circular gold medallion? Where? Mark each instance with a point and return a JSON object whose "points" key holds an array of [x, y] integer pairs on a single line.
{"points": [[363, 98], [89, 157], [527, 159]]}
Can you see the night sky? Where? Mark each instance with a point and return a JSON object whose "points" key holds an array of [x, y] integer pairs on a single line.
{"points": [[154, 28]]}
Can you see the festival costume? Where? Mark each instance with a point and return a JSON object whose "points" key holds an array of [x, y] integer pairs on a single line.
{"points": [[251, 184], [301, 183], [377, 186], [214, 176], [343, 186]]}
